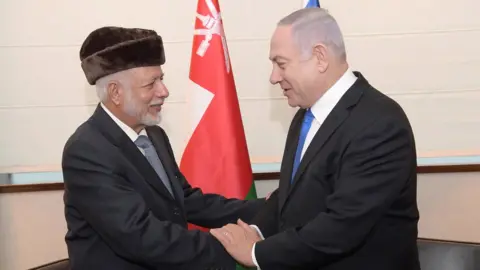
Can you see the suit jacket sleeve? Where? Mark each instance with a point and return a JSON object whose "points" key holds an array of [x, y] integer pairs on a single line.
{"points": [[375, 167], [213, 210], [118, 213], [267, 218]]}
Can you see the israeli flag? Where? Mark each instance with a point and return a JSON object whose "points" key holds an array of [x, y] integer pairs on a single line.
{"points": [[311, 3]]}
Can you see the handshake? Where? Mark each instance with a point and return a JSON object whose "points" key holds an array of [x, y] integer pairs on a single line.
{"points": [[238, 239]]}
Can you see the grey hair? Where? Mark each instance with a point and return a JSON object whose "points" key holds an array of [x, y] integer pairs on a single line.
{"points": [[311, 26], [101, 84]]}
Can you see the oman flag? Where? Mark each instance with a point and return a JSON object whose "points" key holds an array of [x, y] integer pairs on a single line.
{"points": [[216, 157]]}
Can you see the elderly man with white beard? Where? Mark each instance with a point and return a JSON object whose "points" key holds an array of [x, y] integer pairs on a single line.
{"points": [[127, 205]]}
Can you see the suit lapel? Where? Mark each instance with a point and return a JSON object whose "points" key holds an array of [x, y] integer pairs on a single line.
{"points": [[134, 155], [333, 121], [288, 157], [326, 130], [116, 135], [158, 140]]}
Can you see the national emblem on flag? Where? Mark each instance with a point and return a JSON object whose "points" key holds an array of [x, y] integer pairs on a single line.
{"points": [[216, 157]]}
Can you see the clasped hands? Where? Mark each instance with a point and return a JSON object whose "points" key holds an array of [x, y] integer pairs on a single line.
{"points": [[238, 239]]}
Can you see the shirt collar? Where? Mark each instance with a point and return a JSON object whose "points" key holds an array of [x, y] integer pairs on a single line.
{"points": [[128, 130], [327, 102]]}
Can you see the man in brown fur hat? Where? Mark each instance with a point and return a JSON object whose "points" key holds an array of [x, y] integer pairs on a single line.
{"points": [[126, 202]]}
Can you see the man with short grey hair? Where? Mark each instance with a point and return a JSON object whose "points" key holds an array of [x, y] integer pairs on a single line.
{"points": [[347, 192]]}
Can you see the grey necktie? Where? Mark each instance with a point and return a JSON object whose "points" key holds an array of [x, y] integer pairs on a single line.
{"points": [[144, 142]]}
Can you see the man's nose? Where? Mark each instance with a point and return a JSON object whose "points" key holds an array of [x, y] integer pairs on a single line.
{"points": [[275, 77], [162, 90]]}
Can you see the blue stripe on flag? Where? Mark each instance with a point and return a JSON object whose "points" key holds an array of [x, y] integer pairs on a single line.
{"points": [[312, 3]]}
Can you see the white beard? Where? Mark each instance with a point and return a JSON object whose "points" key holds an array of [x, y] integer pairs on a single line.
{"points": [[133, 110]]}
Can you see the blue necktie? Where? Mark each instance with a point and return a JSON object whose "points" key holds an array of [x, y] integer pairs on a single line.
{"points": [[307, 122], [152, 157]]}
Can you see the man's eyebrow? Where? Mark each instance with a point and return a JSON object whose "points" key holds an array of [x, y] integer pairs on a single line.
{"points": [[153, 79], [278, 58]]}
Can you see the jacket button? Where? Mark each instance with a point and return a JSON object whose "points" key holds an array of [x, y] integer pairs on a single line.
{"points": [[176, 211]]}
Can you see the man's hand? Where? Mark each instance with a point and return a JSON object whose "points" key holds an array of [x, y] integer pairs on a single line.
{"points": [[238, 240]]}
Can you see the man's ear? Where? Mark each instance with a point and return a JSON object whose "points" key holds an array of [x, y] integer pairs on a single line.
{"points": [[114, 92], [320, 54]]}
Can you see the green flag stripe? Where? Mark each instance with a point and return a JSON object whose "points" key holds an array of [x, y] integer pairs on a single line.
{"points": [[252, 193]]}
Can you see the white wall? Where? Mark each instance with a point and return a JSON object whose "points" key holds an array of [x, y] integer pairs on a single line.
{"points": [[421, 52], [32, 226]]}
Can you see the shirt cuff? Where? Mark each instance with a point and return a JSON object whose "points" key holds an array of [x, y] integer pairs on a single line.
{"points": [[254, 259], [258, 231]]}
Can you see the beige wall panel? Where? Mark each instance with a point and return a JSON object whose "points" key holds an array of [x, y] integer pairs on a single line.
{"points": [[432, 63], [444, 122], [42, 76], [266, 125], [40, 23], [398, 49], [36, 136], [379, 17]]}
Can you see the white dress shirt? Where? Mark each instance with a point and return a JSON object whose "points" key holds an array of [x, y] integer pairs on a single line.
{"points": [[320, 110], [132, 134]]}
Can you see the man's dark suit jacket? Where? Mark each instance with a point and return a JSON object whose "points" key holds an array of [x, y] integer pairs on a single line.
{"points": [[352, 204], [121, 216]]}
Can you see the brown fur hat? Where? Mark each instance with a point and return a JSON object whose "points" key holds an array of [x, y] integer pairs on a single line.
{"points": [[108, 50]]}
